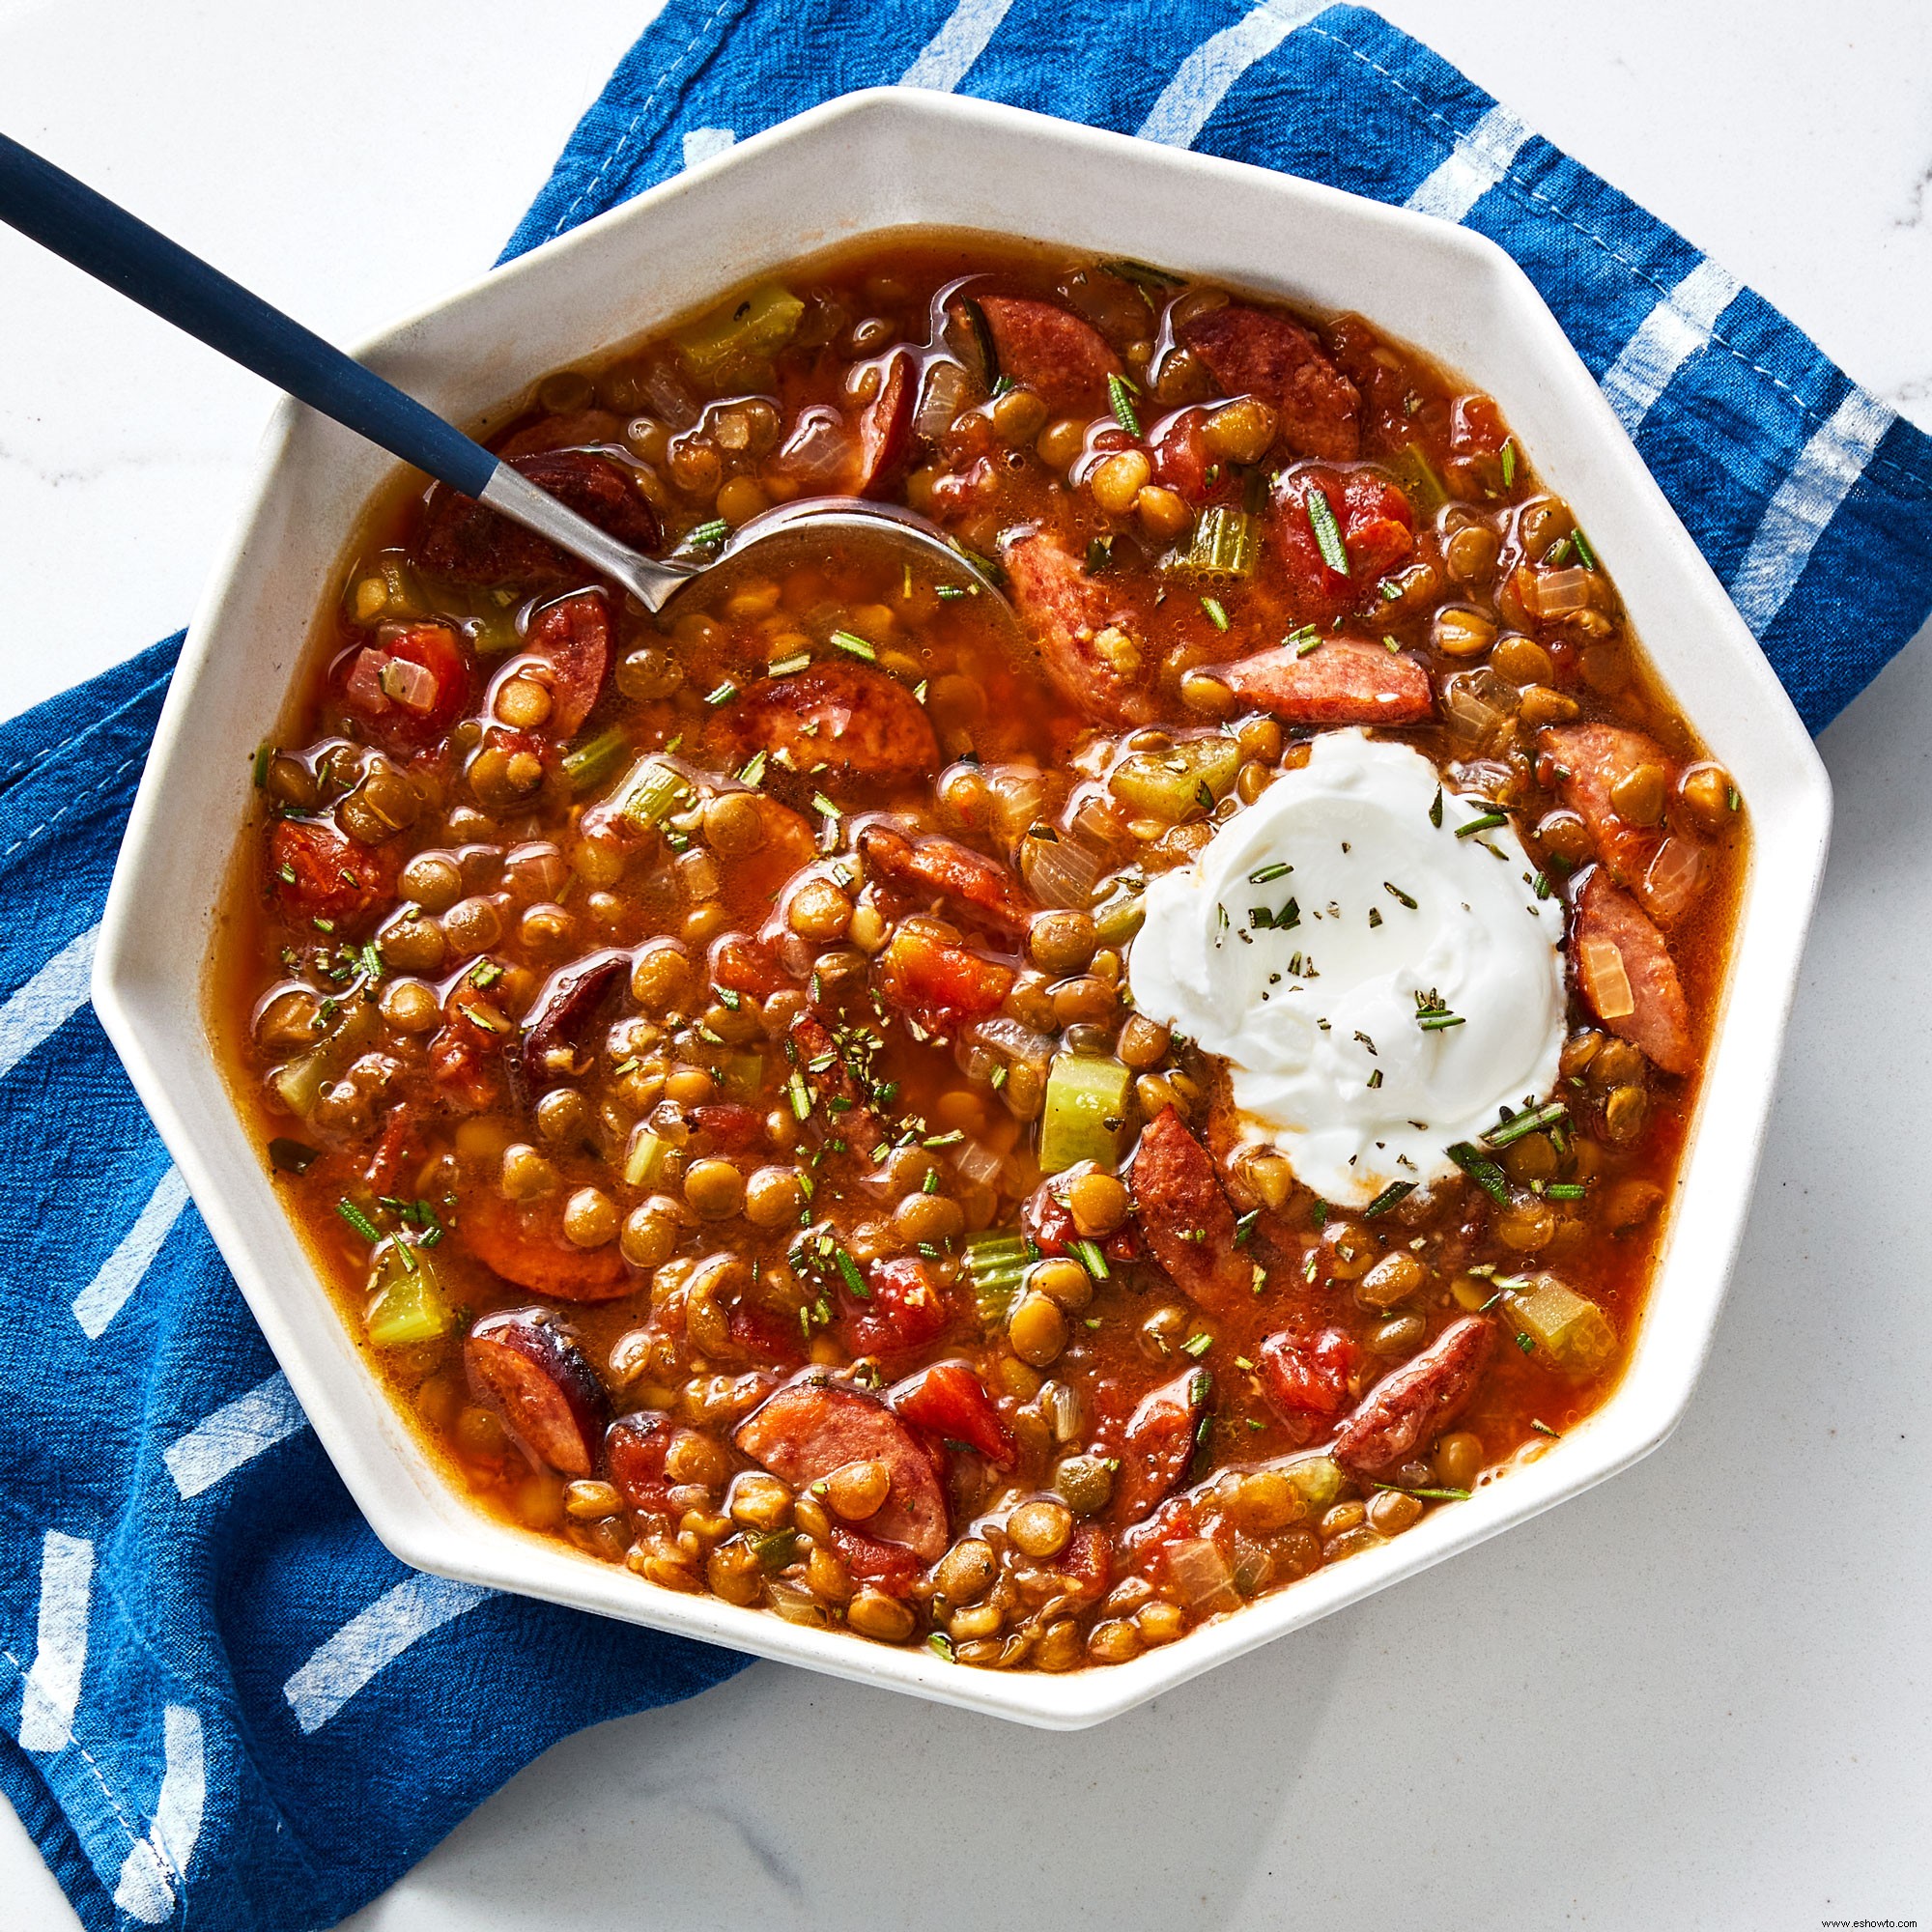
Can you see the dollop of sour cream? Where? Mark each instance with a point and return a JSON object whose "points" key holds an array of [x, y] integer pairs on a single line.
{"points": [[1320, 932]]}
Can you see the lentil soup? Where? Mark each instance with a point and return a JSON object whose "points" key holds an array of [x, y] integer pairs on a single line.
{"points": [[708, 1057]]}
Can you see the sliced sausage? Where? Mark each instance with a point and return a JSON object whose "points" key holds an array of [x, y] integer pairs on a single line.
{"points": [[465, 1057], [1407, 1408], [527, 1245], [1341, 681], [1256, 351], [944, 867], [463, 539], [1626, 974], [575, 635], [949, 1401], [315, 872], [833, 722], [885, 431], [807, 1428], [1087, 646], [1186, 1218], [1587, 761], [1159, 1443], [557, 1030], [532, 1369], [939, 984], [1063, 360]]}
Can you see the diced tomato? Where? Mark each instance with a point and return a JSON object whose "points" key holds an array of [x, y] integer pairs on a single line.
{"points": [[1307, 1378], [889, 1566], [1049, 1222], [408, 688], [1089, 1560], [765, 1335], [1179, 450], [1372, 519], [728, 1124], [939, 984], [634, 1452], [903, 1310], [317, 874], [952, 1401]]}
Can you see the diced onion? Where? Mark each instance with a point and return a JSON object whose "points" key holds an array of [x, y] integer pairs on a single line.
{"points": [[1466, 714], [1605, 980], [411, 685], [1557, 593], [947, 386], [1059, 872], [819, 450], [1203, 1576], [976, 1162], [698, 875], [364, 682], [1675, 878], [1013, 1041]]}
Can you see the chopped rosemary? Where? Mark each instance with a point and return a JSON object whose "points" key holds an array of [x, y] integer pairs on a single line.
{"points": [[1327, 531], [1120, 395], [1486, 822], [1530, 1120], [1218, 614], [784, 667], [1396, 893], [1395, 1191], [849, 640]]}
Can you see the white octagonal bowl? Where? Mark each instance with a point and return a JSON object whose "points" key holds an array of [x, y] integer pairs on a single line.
{"points": [[877, 160]]}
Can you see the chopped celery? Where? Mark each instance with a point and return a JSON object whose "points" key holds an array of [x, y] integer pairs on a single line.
{"points": [[1417, 477], [1085, 1110], [1572, 1331], [1183, 777], [1123, 911], [747, 332], [595, 759], [741, 1075], [644, 1157], [996, 1265], [652, 792], [407, 1306], [1223, 544], [299, 1083]]}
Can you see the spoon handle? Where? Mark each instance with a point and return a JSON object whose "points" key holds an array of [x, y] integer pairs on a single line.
{"points": [[94, 234]]}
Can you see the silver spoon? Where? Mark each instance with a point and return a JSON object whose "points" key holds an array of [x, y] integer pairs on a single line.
{"points": [[101, 238]]}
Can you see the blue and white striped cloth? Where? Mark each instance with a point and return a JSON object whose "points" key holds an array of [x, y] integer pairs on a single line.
{"points": [[223, 1702]]}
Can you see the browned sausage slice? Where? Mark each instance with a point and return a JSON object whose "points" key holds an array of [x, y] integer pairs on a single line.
{"points": [[1586, 760], [461, 539], [1159, 1443], [1341, 681], [885, 430], [560, 1023], [1407, 1409], [1626, 974], [806, 1430], [950, 869], [1253, 351], [1087, 647], [527, 1245], [1063, 360], [532, 1369], [1185, 1217], [833, 722], [574, 635]]}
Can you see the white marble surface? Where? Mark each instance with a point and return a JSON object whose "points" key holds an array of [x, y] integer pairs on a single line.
{"points": [[1695, 1696]]}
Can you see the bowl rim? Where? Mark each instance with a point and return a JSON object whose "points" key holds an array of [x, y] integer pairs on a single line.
{"points": [[464, 1544]]}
